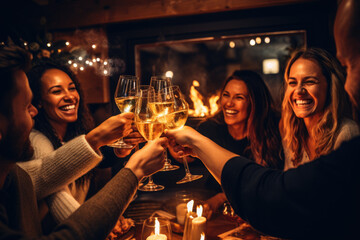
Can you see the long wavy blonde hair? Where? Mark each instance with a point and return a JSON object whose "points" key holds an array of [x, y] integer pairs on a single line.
{"points": [[292, 128]]}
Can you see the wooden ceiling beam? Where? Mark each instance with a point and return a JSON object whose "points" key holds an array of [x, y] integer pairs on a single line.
{"points": [[82, 13]]}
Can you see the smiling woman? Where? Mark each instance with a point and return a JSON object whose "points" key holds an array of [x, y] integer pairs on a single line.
{"points": [[315, 114], [246, 124], [60, 99]]}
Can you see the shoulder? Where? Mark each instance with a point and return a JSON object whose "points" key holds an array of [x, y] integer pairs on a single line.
{"points": [[348, 129], [41, 144]]}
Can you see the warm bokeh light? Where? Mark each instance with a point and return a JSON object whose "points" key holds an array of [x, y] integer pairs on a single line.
{"points": [[81, 68], [169, 74], [67, 43], [267, 40], [93, 46], [252, 42], [48, 44], [258, 40], [271, 66]]}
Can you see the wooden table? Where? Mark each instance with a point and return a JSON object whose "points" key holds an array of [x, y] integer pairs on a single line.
{"points": [[146, 204]]}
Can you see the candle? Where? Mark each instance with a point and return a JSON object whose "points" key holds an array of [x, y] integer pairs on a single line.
{"points": [[157, 235], [181, 210], [198, 225], [188, 218]]}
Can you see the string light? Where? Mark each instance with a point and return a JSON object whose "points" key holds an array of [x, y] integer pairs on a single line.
{"points": [[267, 40], [80, 58], [67, 43], [252, 42], [81, 68], [48, 44], [258, 40], [93, 46]]}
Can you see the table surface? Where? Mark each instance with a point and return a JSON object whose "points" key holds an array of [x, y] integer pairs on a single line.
{"points": [[147, 203]]}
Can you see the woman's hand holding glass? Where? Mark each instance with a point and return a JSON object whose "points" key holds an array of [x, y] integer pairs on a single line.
{"points": [[110, 130], [162, 105], [176, 119], [126, 94], [148, 159], [149, 126]]}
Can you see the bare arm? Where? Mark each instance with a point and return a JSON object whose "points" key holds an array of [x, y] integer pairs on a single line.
{"points": [[187, 141]]}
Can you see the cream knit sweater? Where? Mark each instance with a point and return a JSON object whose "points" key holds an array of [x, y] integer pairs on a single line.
{"points": [[53, 170]]}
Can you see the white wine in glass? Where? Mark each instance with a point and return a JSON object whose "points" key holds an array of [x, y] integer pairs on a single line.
{"points": [[176, 119], [126, 95], [149, 127], [162, 106]]}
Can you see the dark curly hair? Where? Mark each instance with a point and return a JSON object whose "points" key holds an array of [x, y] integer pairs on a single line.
{"points": [[84, 122]]}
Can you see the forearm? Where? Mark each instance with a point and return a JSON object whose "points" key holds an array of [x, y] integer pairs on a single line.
{"points": [[62, 166], [212, 155], [97, 216], [61, 205]]}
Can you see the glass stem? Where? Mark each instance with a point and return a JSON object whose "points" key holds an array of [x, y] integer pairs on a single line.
{"points": [[187, 171], [150, 180]]}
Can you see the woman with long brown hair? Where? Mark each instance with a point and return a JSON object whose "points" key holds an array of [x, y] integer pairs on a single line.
{"points": [[315, 109], [246, 124]]}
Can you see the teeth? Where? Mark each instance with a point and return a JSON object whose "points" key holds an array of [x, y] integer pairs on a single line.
{"points": [[302, 102], [231, 111], [68, 107]]}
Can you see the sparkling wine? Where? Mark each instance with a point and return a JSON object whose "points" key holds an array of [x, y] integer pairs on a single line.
{"points": [[161, 108], [176, 119], [126, 104], [150, 130]]}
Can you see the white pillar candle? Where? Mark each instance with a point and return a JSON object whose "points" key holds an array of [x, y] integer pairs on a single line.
{"points": [[198, 225], [181, 210], [188, 219]]}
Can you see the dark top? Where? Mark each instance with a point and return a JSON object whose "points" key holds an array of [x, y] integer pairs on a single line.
{"points": [[317, 200], [219, 133]]}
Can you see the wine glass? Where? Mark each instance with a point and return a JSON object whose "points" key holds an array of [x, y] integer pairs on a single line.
{"points": [[149, 127], [176, 119], [162, 106], [126, 94], [155, 228]]}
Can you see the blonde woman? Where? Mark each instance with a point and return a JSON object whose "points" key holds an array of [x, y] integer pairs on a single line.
{"points": [[315, 109]]}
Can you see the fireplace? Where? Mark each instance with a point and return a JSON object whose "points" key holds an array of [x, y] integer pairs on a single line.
{"points": [[199, 66]]}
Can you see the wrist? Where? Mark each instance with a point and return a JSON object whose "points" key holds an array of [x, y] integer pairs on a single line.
{"points": [[137, 171], [93, 138]]}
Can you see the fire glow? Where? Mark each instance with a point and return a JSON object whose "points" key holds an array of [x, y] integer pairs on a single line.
{"points": [[201, 110]]}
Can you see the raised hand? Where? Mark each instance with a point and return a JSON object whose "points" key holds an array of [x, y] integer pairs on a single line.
{"points": [[181, 141], [149, 159], [110, 130]]}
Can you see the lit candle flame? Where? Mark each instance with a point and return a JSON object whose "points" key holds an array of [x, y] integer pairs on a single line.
{"points": [[190, 206], [157, 226], [202, 237], [199, 210]]}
